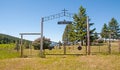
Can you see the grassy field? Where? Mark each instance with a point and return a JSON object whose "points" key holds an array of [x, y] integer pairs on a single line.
{"points": [[63, 62], [99, 60], [7, 51]]}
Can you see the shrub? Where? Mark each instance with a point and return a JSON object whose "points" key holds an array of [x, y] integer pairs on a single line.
{"points": [[46, 43], [100, 41]]}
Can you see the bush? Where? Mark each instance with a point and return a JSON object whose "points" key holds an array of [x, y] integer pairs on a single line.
{"points": [[100, 41], [46, 43]]}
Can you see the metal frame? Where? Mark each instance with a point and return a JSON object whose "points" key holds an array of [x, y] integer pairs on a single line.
{"points": [[22, 40], [51, 17]]}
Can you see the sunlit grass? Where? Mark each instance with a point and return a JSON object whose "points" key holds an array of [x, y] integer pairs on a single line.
{"points": [[7, 51], [63, 62], [8, 54], [98, 60]]}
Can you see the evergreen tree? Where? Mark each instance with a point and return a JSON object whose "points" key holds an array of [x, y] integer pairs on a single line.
{"points": [[104, 32], [80, 25], [65, 36], [96, 36], [72, 34], [114, 28]]}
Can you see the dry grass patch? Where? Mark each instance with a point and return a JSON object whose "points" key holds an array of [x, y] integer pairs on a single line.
{"points": [[63, 62]]}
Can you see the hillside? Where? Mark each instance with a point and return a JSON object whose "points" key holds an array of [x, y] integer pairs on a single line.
{"points": [[6, 39]]}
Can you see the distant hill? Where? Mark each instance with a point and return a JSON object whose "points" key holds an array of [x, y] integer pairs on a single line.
{"points": [[6, 39]]}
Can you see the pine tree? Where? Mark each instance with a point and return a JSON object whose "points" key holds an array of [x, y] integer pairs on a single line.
{"points": [[96, 36], [104, 32], [65, 36], [114, 28], [72, 34], [80, 25]]}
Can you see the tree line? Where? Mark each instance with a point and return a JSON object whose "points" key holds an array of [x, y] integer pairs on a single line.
{"points": [[111, 30], [7, 39]]}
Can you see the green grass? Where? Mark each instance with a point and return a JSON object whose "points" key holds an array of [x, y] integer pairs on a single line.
{"points": [[7, 46], [7, 51], [5, 54], [99, 60]]}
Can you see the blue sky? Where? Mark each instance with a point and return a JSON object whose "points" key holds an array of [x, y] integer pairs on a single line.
{"points": [[17, 16]]}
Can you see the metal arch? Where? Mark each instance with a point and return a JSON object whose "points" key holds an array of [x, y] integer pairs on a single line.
{"points": [[51, 17], [55, 16]]}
